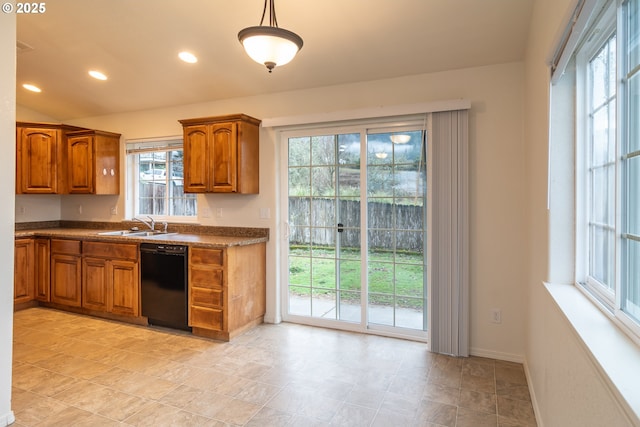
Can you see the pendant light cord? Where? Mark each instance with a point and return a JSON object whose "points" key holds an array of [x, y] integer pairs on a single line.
{"points": [[273, 21]]}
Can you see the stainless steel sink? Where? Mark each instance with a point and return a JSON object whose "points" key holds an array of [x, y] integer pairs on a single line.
{"points": [[147, 234], [116, 233], [134, 233]]}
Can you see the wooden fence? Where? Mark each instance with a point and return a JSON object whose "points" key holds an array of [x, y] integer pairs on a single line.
{"points": [[383, 219], [152, 199]]}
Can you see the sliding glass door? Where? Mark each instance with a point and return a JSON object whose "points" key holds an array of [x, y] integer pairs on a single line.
{"points": [[396, 228], [337, 184], [324, 227]]}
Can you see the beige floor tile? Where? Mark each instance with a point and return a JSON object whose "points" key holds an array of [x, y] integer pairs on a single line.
{"points": [[366, 397], [238, 412], [385, 418], [471, 418], [31, 408], [477, 401], [436, 413], [442, 394], [486, 384], [152, 415], [71, 369], [65, 418], [405, 405], [97, 421], [514, 409], [208, 404], [268, 417], [257, 392]]}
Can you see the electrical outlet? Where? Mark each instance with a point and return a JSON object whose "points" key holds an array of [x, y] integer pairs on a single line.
{"points": [[218, 212], [496, 315], [265, 213], [80, 209], [206, 213], [114, 210]]}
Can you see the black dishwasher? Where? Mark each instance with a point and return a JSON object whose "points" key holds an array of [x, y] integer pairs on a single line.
{"points": [[164, 284]]}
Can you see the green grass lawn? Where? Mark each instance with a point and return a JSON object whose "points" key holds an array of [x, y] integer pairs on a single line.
{"points": [[390, 274]]}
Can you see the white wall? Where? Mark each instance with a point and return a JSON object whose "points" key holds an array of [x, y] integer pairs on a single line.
{"points": [[7, 177], [497, 178], [568, 389]]}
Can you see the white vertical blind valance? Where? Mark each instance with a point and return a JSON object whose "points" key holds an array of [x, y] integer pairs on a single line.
{"points": [[581, 17], [449, 319]]}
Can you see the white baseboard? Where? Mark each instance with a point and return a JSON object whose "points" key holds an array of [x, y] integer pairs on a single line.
{"points": [[272, 319], [508, 357], [7, 419], [532, 394]]}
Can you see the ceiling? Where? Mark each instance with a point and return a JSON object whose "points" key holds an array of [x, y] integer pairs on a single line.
{"points": [[136, 43]]}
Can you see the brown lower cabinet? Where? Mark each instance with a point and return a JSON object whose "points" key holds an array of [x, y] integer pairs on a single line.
{"points": [[66, 272], [110, 280], [227, 286], [96, 276], [24, 271], [42, 257], [227, 293], [31, 270]]}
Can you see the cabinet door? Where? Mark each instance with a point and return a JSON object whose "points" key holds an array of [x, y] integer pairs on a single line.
{"points": [[124, 278], [37, 160], [196, 159], [224, 154], [66, 279], [23, 282], [42, 269], [81, 164], [95, 286]]}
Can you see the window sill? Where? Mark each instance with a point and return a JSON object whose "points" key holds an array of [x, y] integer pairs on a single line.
{"points": [[615, 355]]}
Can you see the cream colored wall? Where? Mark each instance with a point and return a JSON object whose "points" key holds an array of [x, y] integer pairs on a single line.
{"points": [[7, 177], [497, 180], [568, 389]]}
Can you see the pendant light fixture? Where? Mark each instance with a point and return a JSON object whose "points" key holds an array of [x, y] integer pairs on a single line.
{"points": [[270, 45]]}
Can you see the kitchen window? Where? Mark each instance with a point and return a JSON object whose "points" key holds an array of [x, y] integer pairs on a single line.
{"points": [[156, 180], [608, 162]]}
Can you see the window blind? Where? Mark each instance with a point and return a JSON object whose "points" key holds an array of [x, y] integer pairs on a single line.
{"points": [[450, 234]]}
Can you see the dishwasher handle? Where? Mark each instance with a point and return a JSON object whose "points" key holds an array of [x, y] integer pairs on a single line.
{"points": [[180, 250]]}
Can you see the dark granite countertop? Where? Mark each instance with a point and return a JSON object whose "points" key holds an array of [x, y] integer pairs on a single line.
{"points": [[193, 235]]}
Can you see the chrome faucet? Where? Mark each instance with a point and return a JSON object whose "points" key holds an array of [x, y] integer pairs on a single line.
{"points": [[151, 223]]}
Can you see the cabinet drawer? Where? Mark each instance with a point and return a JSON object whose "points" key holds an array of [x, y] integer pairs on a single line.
{"points": [[204, 277], [206, 256], [111, 250], [206, 318], [71, 247], [211, 298]]}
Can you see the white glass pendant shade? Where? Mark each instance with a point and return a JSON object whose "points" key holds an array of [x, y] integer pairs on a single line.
{"points": [[271, 46], [400, 138]]}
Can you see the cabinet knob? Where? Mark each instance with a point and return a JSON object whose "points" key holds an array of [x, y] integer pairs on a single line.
{"points": [[113, 172], [104, 172]]}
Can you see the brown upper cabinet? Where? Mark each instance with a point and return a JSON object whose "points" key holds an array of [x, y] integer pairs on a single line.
{"points": [[221, 154], [62, 159], [40, 158], [93, 162]]}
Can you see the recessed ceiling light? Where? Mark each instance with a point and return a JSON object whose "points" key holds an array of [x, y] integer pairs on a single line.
{"points": [[97, 75], [188, 57], [32, 88]]}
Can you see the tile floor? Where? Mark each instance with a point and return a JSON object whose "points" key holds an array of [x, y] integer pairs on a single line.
{"points": [[72, 370]]}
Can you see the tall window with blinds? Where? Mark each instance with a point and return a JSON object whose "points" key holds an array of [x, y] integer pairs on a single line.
{"points": [[607, 64], [630, 167], [157, 179]]}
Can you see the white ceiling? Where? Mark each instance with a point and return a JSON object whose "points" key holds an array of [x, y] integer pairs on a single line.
{"points": [[136, 42]]}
